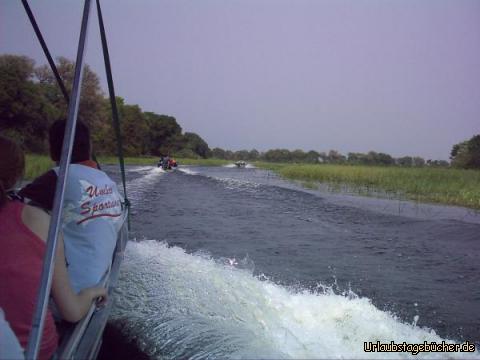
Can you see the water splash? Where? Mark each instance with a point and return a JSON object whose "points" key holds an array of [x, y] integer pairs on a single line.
{"points": [[140, 169], [247, 166], [187, 171], [179, 305], [138, 187]]}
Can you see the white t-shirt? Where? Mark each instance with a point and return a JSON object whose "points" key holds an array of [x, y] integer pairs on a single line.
{"points": [[92, 217], [9, 346]]}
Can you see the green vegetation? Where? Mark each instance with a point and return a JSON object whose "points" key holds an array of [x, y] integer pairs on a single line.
{"points": [[36, 165], [466, 154], [372, 158], [437, 185], [113, 160], [429, 184], [203, 162], [30, 101]]}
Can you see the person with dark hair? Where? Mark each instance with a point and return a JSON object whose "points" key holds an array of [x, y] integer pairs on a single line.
{"points": [[93, 210], [23, 233], [42, 190], [81, 150], [166, 163]]}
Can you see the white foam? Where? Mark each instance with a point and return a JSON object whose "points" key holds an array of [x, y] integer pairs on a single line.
{"points": [[187, 171], [248, 166], [137, 187], [183, 305], [140, 168]]}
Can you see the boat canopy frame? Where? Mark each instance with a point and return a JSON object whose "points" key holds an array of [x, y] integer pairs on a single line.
{"points": [[94, 322]]}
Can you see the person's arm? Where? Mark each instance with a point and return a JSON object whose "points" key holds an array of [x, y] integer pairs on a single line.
{"points": [[41, 190], [72, 306]]}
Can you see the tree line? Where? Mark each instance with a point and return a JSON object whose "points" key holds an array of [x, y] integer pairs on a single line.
{"points": [[330, 157], [30, 101], [463, 155]]}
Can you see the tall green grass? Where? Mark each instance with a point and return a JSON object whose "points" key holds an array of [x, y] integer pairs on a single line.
{"points": [[36, 165], [113, 160], [203, 162], [436, 185], [154, 161]]}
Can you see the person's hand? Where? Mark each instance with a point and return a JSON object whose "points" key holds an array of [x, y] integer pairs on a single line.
{"points": [[101, 297], [97, 294]]}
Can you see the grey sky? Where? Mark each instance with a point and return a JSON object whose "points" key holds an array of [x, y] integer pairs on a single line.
{"points": [[402, 76]]}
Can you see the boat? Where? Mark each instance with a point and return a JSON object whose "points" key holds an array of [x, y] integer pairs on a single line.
{"points": [[83, 339], [167, 164], [240, 164]]}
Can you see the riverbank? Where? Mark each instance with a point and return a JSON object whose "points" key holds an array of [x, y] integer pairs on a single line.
{"points": [[425, 184], [38, 164]]}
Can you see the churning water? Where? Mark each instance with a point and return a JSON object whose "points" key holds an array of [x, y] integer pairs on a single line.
{"points": [[236, 263]]}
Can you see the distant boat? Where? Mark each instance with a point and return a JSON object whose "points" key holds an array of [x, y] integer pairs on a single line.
{"points": [[240, 164]]}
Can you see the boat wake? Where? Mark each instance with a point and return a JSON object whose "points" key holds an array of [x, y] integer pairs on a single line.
{"points": [[187, 171], [139, 186], [233, 166], [179, 305]]}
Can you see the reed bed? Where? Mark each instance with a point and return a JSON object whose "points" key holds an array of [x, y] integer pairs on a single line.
{"points": [[113, 160], [154, 161], [36, 165], [204, 162], [436, 185]]}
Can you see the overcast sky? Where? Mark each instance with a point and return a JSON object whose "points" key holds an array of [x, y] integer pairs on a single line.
{"points": [[397, 76]]}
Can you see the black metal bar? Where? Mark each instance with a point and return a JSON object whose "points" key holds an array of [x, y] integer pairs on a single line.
{"points": [[55, 222], [45, 50], [113, 102]]}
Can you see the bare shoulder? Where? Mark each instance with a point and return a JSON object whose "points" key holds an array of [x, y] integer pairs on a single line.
{"points": [[37, 220]]}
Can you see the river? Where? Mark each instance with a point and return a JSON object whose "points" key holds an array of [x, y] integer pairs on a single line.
{"points": [[238, 263]]}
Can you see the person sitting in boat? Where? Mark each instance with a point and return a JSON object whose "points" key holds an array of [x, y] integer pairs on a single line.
{"points": [[23, 233], [9, 346], [166, 163], [160, 162], [172, 163], [93, 210]]}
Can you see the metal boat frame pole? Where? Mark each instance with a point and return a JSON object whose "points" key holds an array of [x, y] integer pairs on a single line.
{"points": [[113, 104], [55, 223]]}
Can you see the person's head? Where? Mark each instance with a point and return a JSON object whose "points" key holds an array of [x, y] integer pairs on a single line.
{"points": [[81, 144], [12, 165]]}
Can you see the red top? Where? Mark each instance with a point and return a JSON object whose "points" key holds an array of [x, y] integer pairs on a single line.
{"points": [[21, 259]]}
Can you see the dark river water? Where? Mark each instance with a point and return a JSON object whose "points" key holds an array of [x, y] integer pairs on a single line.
{"points": [[237, 263]]}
